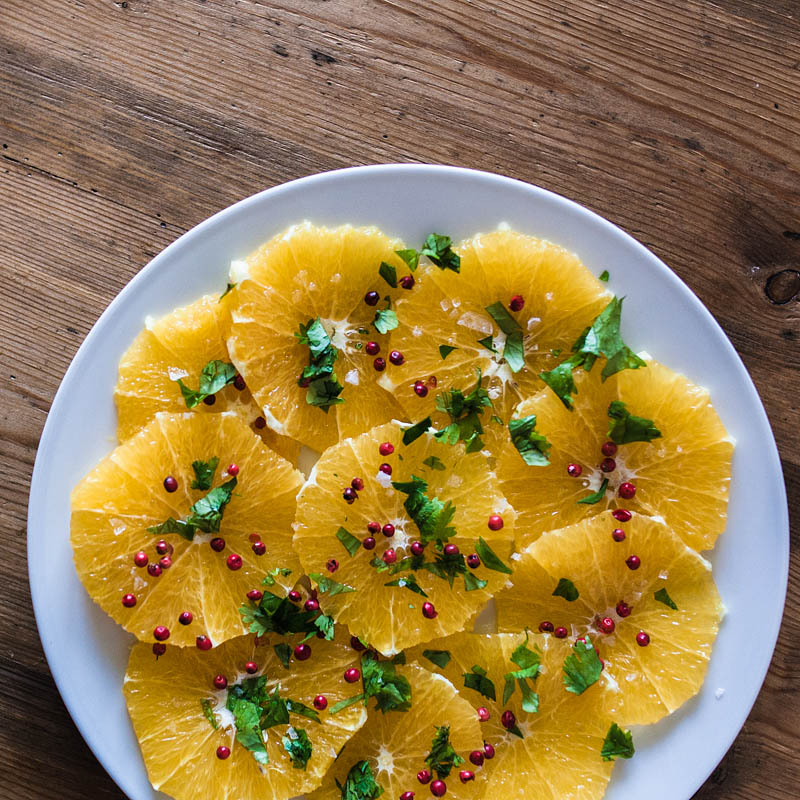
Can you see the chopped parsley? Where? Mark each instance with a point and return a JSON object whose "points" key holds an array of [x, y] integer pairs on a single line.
{"points": [[388, 273], [329, 586], [662, 595], [532, 446], [415, 431], [408, 582], [283, 653], [439, 657], [566, 589], [325, 625], [392, 691], [595, 497], [617, 744], [476, 679], [529, 663], [442, 757], [489, 557], [438, 248], [514, 350], [323, 385], [434, 462], [214, 376], [204, 473], [432, 517], [448, 566], [205, 515], [273, 614], [385, 319], [464, 412], [269, 578], [604, 276], [582, 667], [411, 257], [626, 427], [349, 542], [360, 783], [472, 582], [445, 350], [298, 746], [488, 343]]}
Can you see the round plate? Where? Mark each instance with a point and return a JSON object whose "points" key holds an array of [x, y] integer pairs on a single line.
{"points": [[87, 652]]}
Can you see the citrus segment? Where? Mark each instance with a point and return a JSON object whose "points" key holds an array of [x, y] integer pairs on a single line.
{"points": [[625, 588], [178, 346], [392, 618], [306, 274], [549, 296], [558, 752], [682, 475], [166, 695], [113, 507], [396, 744]]}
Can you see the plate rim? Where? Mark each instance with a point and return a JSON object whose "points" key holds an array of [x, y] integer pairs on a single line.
{"points": [[37, 495]]}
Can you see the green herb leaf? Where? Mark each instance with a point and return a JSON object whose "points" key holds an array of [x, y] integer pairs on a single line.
{"points": [[214, 376], [392, 691], [408, 582], [604, 276], [438, 249], [532, 446], [269, 578], [296, 707], [204, 473], [582, 667], [566, 589], [618, 744], [514, 351], [499, 313], [350, 542], [447, 566], [283, 652], [603, 339], [400, 658], [228, 289], [560, 380], [439, 657], [626, 428], [595, 497], [385, 320], [172, 525], [388, 273], [342, 704], [298, 747], [473, 582], [360, 783], [464, 412], [415, 431], [529, 662], [325, 625], [432, 517], [329, 586], [205, 514], [434, 462], [273, 614], [662, 595], [411, 257], [442, 757], [488, 343], [324, 387], [476, 679], [445, 350], [489, 557], [208, 713], [324, 393], [247, 718]]}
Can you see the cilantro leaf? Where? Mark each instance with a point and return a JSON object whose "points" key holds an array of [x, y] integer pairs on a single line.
{"points": [[411, 257], [582, 667], [298, 747], [205, 514], [247, 718], [662, 595], [273, 614], [388, 273], [323, 385], [392, 691], [204, 473], [214, 376], [172, 525], [473, 582], [445, 350], [464, 412], [283, 652], [324, 393], [514, 352], [476, 679], [208, 713], [499, 313], [415, 431], [360, 783], [489, 557], [329, 586], [626, 428], [447, 566], [595, 497], [269, 578], [432, 517], [532, 446], [325, 625], [439, 657], [442, 757], [434, 462], [566, 589], [438, 249], [296, 707], [560, 380], [529, 662], [488, 343], [604, 276], [349, 542], [408, 582], [276, 711], [385, 319], [617, 744]]}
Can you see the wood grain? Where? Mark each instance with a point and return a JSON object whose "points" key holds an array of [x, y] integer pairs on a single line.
{"points": [[123, 124]]}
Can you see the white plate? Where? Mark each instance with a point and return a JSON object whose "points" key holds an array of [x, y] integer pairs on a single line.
{"points": [[87, 652]]}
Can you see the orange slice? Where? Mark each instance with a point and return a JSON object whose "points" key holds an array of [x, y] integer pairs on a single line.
{"points": [[559, 299], [645, 677], [113, 507], [558, 749], [178, 346], [305, 274], [682, 476], [391, 618], [166, 698], [395, 745]]}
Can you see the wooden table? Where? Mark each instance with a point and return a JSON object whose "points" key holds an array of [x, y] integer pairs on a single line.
{"points": [[123, 124]]}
